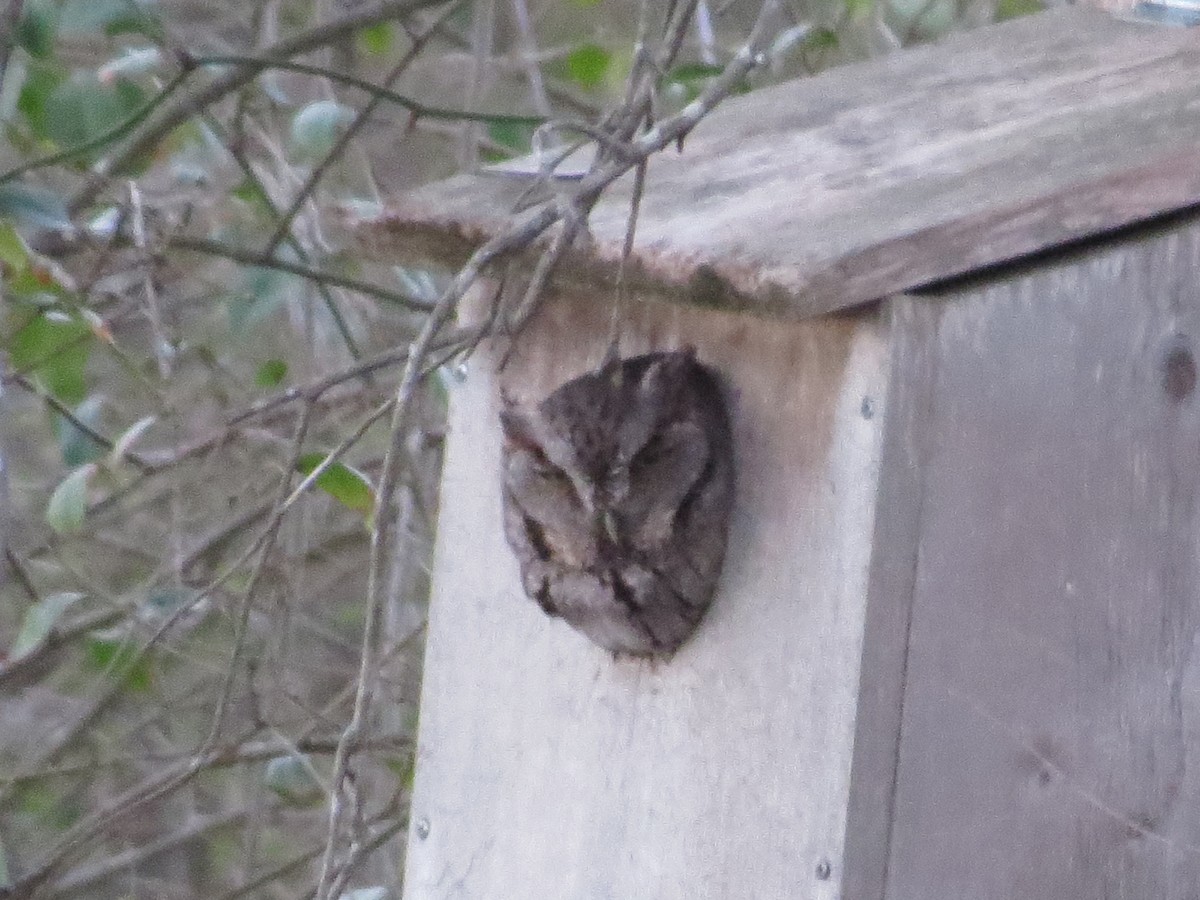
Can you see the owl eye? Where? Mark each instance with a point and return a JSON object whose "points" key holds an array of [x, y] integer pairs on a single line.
{"points": [[542, 466], [650, 455], [548, 470]]}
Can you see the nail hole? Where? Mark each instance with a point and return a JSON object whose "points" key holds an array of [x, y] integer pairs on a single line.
{"points": [[1179, 373], [824, 870]]}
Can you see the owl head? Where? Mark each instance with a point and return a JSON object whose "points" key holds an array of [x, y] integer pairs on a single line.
{"points": [[603, 443]]}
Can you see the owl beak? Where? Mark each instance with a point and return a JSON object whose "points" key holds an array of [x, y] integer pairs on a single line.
{"points": [[609, 521], [604, 520]]}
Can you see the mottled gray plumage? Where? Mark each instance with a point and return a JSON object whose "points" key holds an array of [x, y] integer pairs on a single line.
{"points": [[617, 489]]}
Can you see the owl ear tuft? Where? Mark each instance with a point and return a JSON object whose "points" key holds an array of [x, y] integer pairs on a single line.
{"points": [[663, 378], [614, 370]]}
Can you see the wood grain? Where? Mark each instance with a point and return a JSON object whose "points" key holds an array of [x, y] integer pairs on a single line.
{"points": [[1051, 712], [546, 768], [871, 179], [889, 602]]}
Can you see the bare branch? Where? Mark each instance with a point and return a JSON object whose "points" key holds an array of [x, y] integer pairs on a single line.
{"points": [[256, 258], [347, 135], [149, 136]]}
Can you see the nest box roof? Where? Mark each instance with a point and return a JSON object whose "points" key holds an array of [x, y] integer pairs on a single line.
{"points": [[874, 178]]}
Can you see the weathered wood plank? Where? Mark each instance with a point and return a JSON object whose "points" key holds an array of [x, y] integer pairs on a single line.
{"points": [[871, 179], [889, 603], [547, 769], [6, 515], [1051, 730]]}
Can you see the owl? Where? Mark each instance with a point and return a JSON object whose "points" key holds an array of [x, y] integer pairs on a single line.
{"points": [[617, 489]]}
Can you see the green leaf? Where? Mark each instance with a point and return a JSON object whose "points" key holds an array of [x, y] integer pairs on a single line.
{"points": [[77, 445], [689, 79], [291, 778], [376, 39], [445, 380], [928, 18], [512, 135], [1012, 9], [82, 109], [317, 126], [134, 61], [587, 65], [14, 255], [165, 602], [39, 620], [257, 205], [376, 892], [128, 438], [5, 878], [86, 17], [68, 503], [36, 283], [56, 348], [10, 95], [116, 657], [822, 38], [35, 30], [41, 80], [346, 485], [33, 205], [52, 811], [271, 373], [247, 191], [403, 768], [489, 155], [693, 72]]}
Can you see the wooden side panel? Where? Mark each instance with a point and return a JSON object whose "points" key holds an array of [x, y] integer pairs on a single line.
{"points": [[6, 515], [1050, 745], [547, 769], [889, 605]]}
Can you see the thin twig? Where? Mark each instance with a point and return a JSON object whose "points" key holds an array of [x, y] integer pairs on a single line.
{"points": [[247, 600], [135, 857], [252, 887], [256, 258], [364, 848], [537, 86], [483, 30], [106, 137], [343, 140], [331, 305], [75, 422], [149, 136], [416, 107]]}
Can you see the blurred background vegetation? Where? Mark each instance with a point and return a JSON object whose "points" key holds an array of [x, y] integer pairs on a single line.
{"points": [[187, 334]]}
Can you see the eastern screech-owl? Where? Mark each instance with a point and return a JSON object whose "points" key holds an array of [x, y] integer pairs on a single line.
{"points": [[617, 489]]}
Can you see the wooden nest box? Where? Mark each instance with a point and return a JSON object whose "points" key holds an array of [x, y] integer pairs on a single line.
{"points": [[954, 295]]}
